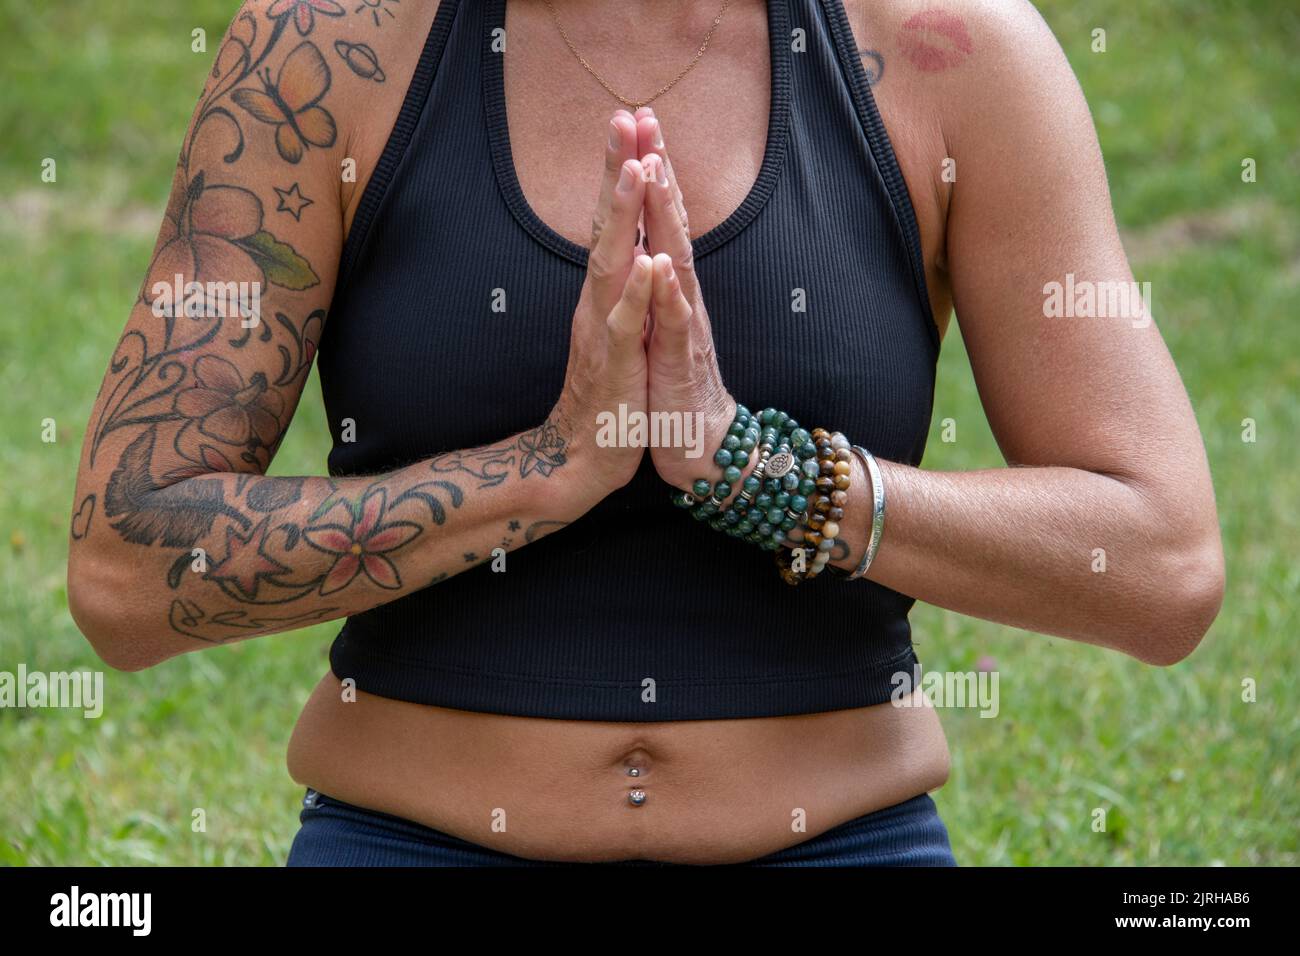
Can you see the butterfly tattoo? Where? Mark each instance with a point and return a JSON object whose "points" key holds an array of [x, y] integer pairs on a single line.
{"points": [[290, 103]]}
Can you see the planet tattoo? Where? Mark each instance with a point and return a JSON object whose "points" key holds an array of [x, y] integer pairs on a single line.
{"points": [[360, 59]]}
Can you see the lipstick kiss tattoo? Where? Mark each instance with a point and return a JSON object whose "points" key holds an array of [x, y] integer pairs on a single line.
{"points": [[934, 40]]}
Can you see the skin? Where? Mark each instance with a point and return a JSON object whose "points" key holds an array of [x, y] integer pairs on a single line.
{"points": [[1090, 413]]}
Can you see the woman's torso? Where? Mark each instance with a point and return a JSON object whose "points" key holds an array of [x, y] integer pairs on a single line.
{"points": [[717, 789]]}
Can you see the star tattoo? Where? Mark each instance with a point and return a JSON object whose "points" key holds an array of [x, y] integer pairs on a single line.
{"points": [[245, 563], [291, 201]]}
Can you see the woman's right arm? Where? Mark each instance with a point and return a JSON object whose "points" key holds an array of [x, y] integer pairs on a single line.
{"points": [[180, 540]]}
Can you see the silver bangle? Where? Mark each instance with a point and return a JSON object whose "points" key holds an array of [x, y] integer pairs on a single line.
{"points": [[877, 510]]}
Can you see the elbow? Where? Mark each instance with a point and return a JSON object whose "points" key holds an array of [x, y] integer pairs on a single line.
{"points": [[1190, 595], [95, 605]]}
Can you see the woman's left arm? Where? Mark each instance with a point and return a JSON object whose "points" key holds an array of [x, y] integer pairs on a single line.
{"points": [[1108, 470], [1103, 529]]}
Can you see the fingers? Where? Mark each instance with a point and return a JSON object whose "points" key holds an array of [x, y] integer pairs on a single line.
{"points": [[650, 140], [665, 219], [672, 310], [622, 145], [611, 256], [671, 229], [627, 318], [622, 193]]}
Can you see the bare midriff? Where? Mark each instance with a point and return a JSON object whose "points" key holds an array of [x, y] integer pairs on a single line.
{"points": [[715, 791]]}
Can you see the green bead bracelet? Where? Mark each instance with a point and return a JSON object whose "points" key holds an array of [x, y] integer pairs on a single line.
{"points": [[774, 497]]}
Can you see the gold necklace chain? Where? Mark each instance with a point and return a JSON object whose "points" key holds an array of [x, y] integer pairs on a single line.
{"points": [[636, 104]]}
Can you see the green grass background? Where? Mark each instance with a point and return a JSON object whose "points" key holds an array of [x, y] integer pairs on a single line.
{"points": [[1188, 772]]}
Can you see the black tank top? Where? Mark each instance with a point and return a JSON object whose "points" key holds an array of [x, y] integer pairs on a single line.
{"points": [[635, 612]]}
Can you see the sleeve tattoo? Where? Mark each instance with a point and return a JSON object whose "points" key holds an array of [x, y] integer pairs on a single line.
{"points": [[199, 395]]}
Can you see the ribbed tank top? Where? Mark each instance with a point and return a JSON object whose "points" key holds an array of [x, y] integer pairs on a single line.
{"points": [[634, 612]]}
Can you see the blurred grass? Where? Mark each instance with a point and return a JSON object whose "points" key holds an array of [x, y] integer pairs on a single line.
{"points": [[1188, 773]]}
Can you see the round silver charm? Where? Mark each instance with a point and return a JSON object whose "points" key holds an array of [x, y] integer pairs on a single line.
{"points": [[779, 464], [636, 797]]}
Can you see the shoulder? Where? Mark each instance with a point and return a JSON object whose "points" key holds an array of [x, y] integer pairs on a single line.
{"points": [[965, 62], [978, 84], [326, 77], [363, 44], [936, 36], [346, 56]]}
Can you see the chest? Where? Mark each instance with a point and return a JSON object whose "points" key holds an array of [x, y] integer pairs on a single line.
{"points": [[452, 326], [714, 119]]}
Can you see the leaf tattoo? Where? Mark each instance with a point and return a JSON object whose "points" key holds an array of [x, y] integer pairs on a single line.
{"points": [[279, 261]]}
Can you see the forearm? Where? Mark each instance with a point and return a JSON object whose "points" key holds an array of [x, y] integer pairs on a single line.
{"points": [[222, 557], [1056, 550]]}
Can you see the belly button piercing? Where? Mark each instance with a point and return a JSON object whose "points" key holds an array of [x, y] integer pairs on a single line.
{"points": [[634, 771], [636, 797]]}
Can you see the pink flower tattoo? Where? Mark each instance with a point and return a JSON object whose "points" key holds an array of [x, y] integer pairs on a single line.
{"points": [[304, 12], [363, 544]]}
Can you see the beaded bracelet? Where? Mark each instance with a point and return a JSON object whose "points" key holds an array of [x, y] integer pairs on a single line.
{"points": [[740, 441], [826, 507], [765, 497], [798, 478], [769, 503]]}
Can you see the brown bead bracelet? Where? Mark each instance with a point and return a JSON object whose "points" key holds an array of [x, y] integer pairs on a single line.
{"points": [[821, 521]]}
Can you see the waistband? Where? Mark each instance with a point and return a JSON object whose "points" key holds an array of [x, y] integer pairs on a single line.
{"points": [[337, 833]]}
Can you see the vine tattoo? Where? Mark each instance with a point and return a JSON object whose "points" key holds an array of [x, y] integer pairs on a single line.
{"points": [[539, 451]]}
